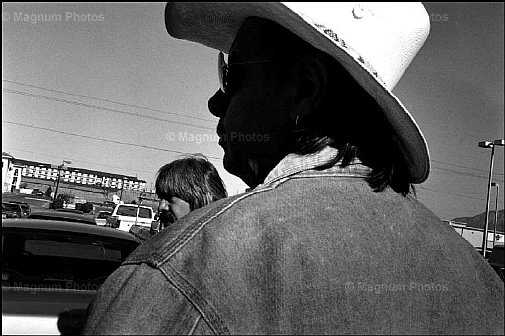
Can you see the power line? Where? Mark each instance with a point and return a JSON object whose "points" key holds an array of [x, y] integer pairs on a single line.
{"points": [[100, 108], [451, 171], [454, 165], [107, 100], [448, 193], [101, 139], [166, 112]]}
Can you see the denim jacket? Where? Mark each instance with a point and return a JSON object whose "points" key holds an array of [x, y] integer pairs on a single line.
{"points": [[307, 252]]}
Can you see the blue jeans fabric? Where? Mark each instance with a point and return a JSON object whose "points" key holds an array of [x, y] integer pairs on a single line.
{"points": [[310, 252]]}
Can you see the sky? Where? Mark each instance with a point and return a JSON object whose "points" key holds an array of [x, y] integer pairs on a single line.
{"points": [[104, 86]]}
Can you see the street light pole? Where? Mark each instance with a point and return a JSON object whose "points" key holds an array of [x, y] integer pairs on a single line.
{"points": [[486, 226], [58, 181], [488, 144], [57, 185], [495, 211]]}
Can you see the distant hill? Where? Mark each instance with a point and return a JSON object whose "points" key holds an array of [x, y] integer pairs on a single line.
{"points": [[479, 221]]}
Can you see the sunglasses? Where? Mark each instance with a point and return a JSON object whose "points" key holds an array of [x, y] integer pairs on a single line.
{"points": [[223, 69]]}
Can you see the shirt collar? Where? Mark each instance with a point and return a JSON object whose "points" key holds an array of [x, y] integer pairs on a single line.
{"points": [[295, 163]]}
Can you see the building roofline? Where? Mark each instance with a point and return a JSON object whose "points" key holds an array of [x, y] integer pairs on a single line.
{"points": [[76, 169]]}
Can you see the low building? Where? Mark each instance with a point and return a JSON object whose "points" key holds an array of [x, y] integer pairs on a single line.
{"points": [[14, 170], [79, 176], [475, 235]]}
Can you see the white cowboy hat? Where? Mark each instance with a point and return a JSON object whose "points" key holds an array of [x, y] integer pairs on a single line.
{"points": [[375, 42]]}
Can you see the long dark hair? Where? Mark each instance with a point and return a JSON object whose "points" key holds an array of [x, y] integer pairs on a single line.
{"points": [[354, 125], [349, 120]]}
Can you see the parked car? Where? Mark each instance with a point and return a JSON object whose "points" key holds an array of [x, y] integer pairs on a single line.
{"points": [[101, 217], [52, 269], [109, 204], [12, 210], [125, 216], [35, 202], [63, 216], [24, 206], [37, 192]]}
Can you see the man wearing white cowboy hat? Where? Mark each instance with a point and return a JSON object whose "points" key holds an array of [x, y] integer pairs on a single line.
{"points": [[330, 240]]}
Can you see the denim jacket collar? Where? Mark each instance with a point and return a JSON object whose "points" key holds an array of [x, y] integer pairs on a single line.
{"points": [[294, 164]]}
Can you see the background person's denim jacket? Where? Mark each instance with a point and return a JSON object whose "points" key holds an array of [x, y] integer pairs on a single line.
{"points": [[307, 252]]}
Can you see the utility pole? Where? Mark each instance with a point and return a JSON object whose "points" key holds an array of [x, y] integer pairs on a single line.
{"points": [[494, 184], [492, 145], [56, 190], [60, 167]]}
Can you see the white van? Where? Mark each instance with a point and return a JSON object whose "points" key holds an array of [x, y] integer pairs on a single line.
{"points": [[125, 216]]}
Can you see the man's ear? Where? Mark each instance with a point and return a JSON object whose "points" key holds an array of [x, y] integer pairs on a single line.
{"points": [[311, 84]]}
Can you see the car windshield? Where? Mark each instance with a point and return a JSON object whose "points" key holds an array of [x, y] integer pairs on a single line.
{"points": [[60, 259], [127, 211], [145, 213]]}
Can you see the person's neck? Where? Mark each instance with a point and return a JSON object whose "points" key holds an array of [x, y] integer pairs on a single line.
{"points": [[258, 169]]}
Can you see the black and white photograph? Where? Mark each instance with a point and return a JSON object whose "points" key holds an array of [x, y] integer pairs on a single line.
{"points": [[263, 168]]}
